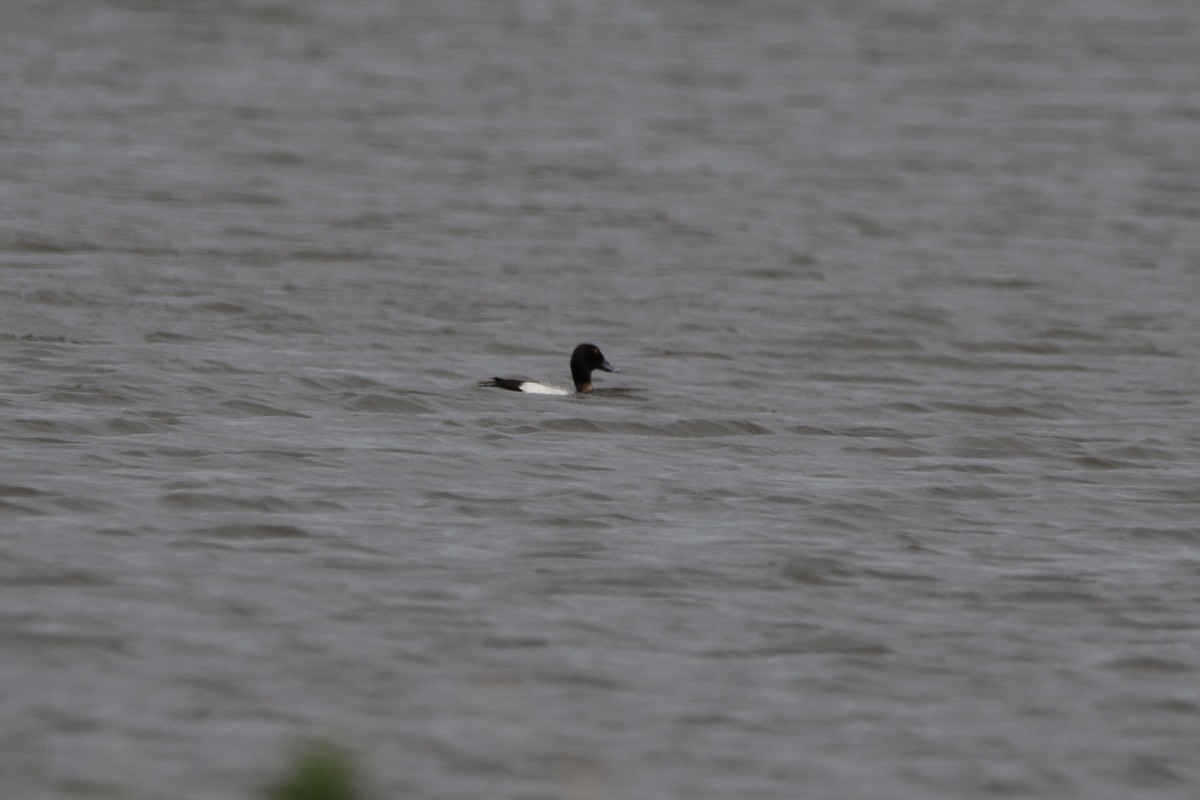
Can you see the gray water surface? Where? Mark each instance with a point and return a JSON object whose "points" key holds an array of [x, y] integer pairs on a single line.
{"points": [[900, 497]]}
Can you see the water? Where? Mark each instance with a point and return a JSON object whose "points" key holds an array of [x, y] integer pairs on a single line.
{"points": [[901, 500]]}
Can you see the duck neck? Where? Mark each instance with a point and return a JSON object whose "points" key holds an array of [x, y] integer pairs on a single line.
{"points": [[582, 375]]}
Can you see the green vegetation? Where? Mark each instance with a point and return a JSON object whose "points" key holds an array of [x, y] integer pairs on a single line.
{"points": [[318, 770]]}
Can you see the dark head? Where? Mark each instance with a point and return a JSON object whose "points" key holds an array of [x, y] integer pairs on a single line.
{"points": [[585, 359]]}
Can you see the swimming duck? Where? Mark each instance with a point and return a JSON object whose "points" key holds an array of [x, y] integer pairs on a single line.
{"points": [[586, 359]]}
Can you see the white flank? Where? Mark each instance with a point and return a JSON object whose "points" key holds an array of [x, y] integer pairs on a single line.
{"points": [[532, 387]]}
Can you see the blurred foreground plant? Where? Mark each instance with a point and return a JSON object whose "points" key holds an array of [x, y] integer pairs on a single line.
{"points": [[318, 770]]}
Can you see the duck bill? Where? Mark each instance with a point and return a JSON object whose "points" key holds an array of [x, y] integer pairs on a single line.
{"points": [[607, 367]]}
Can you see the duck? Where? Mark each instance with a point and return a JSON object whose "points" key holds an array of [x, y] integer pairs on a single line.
{"points": [[585, 359]]}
